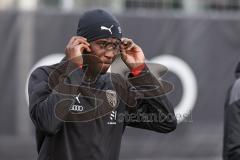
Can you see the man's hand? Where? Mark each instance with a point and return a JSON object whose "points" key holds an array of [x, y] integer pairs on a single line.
{"points": [[132, 54], [75, 48]]}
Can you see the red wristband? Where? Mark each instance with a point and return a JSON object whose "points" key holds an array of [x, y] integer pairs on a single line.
{"points": [[80, 66], [137, 70]]}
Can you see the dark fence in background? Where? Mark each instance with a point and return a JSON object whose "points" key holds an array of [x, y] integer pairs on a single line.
{"points": [[208, 45]]}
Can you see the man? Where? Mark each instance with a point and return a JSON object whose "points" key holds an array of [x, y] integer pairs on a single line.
{"points": [[79, 110], [231, 142]]}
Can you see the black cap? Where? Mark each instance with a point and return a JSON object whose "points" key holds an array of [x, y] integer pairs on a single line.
{"points": [[96, 24]]}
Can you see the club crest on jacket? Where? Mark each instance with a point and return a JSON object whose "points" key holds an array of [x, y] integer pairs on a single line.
{"points": [[111, 97]]}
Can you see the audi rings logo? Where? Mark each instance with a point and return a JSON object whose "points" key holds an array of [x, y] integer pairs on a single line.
{"points": [[174, 64]]}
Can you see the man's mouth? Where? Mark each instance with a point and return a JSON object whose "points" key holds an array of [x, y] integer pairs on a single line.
{"points": [[107, 62]]}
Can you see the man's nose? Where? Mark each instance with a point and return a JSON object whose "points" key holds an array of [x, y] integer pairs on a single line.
{"points": [[110, 54]]}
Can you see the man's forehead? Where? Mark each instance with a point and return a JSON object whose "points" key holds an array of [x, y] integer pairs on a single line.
{"points": [[108, 40]]}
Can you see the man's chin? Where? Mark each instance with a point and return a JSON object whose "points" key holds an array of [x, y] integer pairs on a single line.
{"points": [[105, 67]]}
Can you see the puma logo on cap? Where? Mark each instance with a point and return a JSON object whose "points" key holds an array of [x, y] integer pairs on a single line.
{"points": [[106, 28]]}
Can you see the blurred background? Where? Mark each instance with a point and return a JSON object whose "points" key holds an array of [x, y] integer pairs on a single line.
{"points": [[197, 40]]}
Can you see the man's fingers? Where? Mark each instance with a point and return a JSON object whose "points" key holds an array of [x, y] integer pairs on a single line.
{"points": [[75, 51], [78, 44], [79, 47], [123, 53], [75, 40], [127, 43], [130, 46], [80, 41], [84, 46], [78, 37]]}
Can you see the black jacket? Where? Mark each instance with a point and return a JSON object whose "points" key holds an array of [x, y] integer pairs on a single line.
{"points": [[64, 133], [231, 139], [231, 142]]}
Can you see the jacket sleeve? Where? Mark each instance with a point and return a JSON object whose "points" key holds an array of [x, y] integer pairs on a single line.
{"points": [[232, 132], [42, 102], [153, 110], [231, 146]]}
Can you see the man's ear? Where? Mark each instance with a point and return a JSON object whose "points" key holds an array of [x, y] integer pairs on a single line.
{"points": [[86, 52], [85, 57]]}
